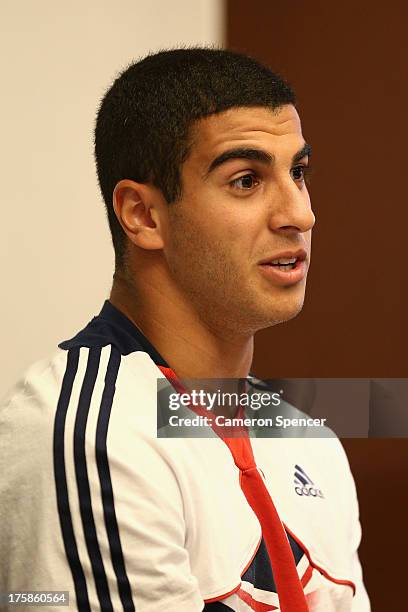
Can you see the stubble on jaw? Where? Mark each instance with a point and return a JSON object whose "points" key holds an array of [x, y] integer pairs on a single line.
{"points": [[224, 300]]}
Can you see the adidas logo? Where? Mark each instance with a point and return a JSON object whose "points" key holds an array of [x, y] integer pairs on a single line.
{"points": [[304, 485]]}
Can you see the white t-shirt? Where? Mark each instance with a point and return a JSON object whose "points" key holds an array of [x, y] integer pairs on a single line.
{"points": [[92, 502]]}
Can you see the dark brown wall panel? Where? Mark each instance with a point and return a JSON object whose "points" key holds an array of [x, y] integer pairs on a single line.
{"points": [[347, 62]]}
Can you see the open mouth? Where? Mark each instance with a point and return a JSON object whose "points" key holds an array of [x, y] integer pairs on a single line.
{"points": [[285, 268], [284, 264]]}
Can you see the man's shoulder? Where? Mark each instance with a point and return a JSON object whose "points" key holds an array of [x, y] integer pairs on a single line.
{"points": [[86, 397]]}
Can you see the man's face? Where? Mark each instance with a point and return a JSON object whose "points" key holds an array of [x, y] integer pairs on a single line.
{"points": [[237, 214]]}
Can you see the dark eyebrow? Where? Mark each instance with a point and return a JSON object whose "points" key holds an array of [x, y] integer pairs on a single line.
{"points": [[253, 154], [305, 151], [239, 153]]}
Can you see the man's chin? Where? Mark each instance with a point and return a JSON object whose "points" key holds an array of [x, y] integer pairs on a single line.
{"points": [[282, 314]]}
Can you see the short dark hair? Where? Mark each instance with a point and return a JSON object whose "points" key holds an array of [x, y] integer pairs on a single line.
{"points": [[144, 121]]}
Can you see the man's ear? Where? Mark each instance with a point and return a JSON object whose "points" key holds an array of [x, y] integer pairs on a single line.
{"points": [[138, 208]]}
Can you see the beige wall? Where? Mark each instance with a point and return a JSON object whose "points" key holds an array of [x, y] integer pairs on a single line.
{"points": [[57, 59]]}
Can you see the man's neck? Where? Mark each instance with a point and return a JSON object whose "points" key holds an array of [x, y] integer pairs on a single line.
{"points": [[191, 347]]}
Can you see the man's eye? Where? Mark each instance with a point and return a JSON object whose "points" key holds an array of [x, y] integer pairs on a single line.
{"points": [[246, 182], [299, 173]]}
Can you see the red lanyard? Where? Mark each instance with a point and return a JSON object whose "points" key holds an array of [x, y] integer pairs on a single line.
{"points": [[288, 585]]}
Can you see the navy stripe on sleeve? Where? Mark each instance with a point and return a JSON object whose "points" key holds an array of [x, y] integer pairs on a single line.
{"points": [[64, 511], [111, 523], [81, 471]]}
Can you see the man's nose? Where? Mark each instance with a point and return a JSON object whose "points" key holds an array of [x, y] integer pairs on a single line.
{"points": [[291, 209]]}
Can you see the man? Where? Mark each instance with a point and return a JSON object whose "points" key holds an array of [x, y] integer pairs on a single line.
{"points": [[202, 164]]}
